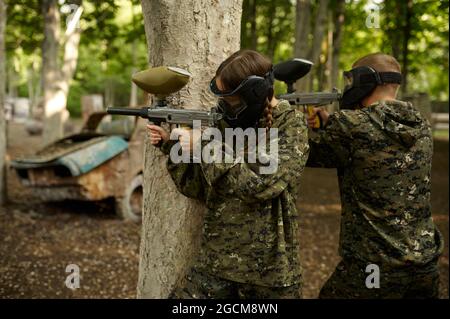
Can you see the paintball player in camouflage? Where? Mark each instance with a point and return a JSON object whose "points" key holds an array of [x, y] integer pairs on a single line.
{"points": [[250, 245], [382, 148]]}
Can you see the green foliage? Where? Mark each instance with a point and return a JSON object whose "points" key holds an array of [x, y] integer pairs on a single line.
{"points": [[113, 41], [427, 60]]}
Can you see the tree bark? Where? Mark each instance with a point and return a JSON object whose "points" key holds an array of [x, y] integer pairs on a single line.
{"points": [[172, 222], [2, 104]]}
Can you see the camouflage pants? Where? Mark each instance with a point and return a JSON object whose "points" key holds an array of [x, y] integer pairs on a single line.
{"points": [[349, 282], [200, 285]]}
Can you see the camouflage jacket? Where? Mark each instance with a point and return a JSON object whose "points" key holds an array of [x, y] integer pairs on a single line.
{"points": [[250, 231], [383, 155]]}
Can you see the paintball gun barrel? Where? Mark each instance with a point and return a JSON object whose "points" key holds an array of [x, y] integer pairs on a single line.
{"points": [[311, 100], [314, 99], [170, 115]]}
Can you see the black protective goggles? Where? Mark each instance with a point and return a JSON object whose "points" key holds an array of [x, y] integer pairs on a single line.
{"points": [[245, 84], [364, 74]]}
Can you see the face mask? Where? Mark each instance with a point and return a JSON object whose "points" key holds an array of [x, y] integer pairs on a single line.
{"points": [[241, 115], [361, 82], [253, 93]]}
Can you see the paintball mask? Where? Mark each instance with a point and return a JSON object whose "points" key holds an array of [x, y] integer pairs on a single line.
{"points": [[252, 92], [361, 82]]}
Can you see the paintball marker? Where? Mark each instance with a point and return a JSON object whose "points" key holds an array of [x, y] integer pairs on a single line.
{"points": [[162, 81], [291, 71]]}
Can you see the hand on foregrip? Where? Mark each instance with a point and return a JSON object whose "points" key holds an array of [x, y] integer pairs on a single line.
{"points": [[317, 117], [313, 118], [157, 134]]}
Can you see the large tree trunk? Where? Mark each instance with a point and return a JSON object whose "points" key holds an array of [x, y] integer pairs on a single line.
{"points": [[172, 222], [2, 104], [56, 81]]}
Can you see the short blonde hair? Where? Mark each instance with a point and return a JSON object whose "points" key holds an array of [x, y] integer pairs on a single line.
{"points": [[380, 62]]}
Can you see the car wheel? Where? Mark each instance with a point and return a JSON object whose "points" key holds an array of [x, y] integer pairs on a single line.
{"points": [[129, 207]]}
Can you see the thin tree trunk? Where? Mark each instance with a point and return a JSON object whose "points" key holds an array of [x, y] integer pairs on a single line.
{"points": [[329, 62], [11, 79], [172, 222], [302, 28], [320, 23], [252, 18], [2, 104], [405, 50], [133, 91], [319, 31], [339, 19], [302, 32], [270, 33]]}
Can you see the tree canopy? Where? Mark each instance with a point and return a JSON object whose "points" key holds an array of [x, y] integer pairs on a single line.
{"points": [[113, 41]]}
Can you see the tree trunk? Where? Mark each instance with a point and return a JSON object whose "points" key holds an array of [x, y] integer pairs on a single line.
{"points": [[319, 30], [302, 32], [56, 81], [252, 18], [270, 32], [302, 28], [2, 104], [329, 62], [320, 24], [50, 71], [337, 41], [405, 50], [172, 222], [133, 91]]}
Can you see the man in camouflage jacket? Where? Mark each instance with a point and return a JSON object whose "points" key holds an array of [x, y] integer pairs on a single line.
{"points": [[382, 150]]}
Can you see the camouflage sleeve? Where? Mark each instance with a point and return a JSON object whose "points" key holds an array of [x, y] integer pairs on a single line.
{"points": [[331, 146], [247, 182], [188, 177]]}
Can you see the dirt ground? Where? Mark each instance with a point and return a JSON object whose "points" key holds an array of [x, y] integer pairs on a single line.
{"points": [[40, 240]]}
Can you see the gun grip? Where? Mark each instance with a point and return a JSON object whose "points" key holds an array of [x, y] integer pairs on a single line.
{"points": [[317, 120]]}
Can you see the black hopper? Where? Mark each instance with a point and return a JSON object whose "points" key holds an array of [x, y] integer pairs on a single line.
{"points": [[292, 70]]}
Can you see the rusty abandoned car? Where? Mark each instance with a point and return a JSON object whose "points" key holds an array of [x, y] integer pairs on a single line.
{"points": [[104, 160]]}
